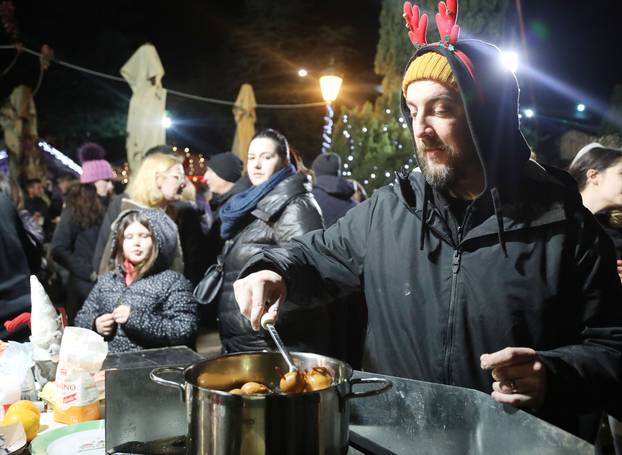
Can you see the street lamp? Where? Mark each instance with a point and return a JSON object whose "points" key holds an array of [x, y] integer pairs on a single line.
{"points": [[330, 84]]}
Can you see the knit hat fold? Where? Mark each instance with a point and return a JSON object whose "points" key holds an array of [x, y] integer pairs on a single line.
{"points": [[429, 66]]}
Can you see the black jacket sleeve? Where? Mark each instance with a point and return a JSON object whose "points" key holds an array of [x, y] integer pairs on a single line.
{"points": [[63, 243], [322, 263], [193, 242], [586, 374]]}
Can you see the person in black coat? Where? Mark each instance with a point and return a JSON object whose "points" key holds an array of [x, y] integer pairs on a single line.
{"points": [[278, 207], [19, 258], [334, 196], [75, 237], [481, 268], [332, 192]]}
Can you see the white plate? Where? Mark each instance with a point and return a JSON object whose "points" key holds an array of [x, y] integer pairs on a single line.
{"points": [[86, 438]]}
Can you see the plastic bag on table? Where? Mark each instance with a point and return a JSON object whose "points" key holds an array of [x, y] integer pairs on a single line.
{"points": [[82, 354], [16, 371]]}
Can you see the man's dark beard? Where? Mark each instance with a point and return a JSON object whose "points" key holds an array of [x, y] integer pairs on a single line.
{"points": [[442, 178]]}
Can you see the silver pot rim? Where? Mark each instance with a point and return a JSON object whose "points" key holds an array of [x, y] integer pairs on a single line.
{"points": [[271, 395]]}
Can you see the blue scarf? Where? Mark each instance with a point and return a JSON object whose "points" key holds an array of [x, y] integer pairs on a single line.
{"points": [[234, 212]]}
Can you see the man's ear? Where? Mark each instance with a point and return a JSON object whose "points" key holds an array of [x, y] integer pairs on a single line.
{"points": [[593, 176]]}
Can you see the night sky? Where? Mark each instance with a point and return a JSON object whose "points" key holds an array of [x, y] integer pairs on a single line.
{"points": [[571, 42]]}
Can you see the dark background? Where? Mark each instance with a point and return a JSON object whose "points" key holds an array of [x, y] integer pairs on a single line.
{"points": [[210, 48]]}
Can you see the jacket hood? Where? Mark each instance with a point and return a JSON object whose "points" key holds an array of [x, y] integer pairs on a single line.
{"points": [[335, 186], [490, 96], [489, 93], [165, 233]]}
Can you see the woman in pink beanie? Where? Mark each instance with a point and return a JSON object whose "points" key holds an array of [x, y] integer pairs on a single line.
{"points": [[75, 237]]}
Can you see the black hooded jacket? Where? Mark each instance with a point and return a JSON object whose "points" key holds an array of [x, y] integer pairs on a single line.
{"points": [[529, 266], [333, 194]]}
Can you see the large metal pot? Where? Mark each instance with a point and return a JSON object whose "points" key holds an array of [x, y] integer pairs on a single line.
{"points": [[220, 423]]}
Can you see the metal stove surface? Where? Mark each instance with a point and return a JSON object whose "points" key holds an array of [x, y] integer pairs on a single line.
{"points": [[177, 446], [412, 416]]}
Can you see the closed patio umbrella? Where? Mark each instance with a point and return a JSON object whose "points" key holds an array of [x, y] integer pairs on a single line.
{"points": [[144, 72], [245, 116]]}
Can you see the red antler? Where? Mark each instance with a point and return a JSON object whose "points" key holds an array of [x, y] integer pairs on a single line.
{"points": [[417, 26], [446, 22]]}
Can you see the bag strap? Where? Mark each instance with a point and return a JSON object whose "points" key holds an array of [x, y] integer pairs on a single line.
{"points": [[226, 249]]}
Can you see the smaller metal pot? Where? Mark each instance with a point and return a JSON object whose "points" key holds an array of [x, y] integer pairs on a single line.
{"points": [[220, 423]]}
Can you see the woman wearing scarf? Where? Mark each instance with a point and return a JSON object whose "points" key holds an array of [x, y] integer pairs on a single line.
{"points": [[278, 207]]}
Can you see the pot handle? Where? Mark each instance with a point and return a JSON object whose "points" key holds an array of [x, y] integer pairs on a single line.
{"points": [[153, 375], [386, 385]]}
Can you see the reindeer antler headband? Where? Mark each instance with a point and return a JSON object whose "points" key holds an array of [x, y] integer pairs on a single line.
{"points": [[445, 22]]}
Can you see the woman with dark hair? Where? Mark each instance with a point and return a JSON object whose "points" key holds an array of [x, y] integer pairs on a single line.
{"points": [[20, 257], [75, 236], [278, 207], [598, 172]]}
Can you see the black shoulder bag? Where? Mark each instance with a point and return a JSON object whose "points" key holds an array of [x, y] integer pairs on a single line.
{"points": [[211, 283]]}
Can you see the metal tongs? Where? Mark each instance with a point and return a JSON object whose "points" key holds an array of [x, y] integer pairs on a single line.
{"points": [[267, 322]]}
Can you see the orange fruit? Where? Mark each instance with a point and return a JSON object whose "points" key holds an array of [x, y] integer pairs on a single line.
{"points": [[25, 404], [28, 419]]}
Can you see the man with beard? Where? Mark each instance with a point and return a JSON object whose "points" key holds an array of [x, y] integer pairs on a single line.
{"points": [[481, 268]]}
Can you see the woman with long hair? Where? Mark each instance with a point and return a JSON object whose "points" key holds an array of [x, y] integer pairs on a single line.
{"points": [[75, 236], [277, 207]]}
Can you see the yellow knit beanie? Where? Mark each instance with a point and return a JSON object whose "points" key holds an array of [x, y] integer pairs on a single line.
{"points": [[429, 66]]}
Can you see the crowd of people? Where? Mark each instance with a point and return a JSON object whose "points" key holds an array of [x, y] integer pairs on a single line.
{"points": [[481, 268], [79, 241]]}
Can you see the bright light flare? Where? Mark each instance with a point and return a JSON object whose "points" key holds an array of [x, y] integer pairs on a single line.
{"points": [[167, 122], [529, 113], [509, 60], [580, 107]]}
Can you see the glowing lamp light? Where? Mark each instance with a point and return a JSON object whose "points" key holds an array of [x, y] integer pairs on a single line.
{"points": [[509, 60], [303, 72], [167, 122], [580, 107], [529, 113], [330, 84]]}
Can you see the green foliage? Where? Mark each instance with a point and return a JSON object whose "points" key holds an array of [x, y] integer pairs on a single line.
{"points": [[386, 145]]}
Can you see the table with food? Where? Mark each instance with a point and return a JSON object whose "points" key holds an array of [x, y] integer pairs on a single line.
{"points": [[63, 393]]}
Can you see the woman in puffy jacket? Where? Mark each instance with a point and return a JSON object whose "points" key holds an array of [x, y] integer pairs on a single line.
{"points": [[278, 207]]}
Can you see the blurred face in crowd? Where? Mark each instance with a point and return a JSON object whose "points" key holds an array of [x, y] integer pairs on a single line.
{"points": [[263, 160], [216, 184], [608, 185], [35, 190], [137, 243], [445, 151], [103, 188], [172, 182]]}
